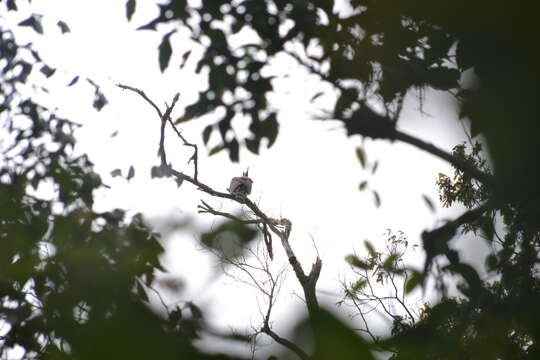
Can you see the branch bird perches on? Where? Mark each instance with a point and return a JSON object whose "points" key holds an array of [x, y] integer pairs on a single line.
{"points": [[281, 228]]}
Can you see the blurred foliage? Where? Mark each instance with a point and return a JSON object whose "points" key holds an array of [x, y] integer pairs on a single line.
{"points": [[73, 282]]}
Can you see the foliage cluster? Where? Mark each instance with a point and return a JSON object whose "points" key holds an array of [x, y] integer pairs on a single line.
{"points": [[74, 282]]}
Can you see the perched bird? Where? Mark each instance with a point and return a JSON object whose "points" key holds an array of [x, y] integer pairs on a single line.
{"points": [[241, 185]]}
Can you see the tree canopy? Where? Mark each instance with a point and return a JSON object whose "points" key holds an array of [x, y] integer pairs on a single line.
{"points": [[74, 282]]}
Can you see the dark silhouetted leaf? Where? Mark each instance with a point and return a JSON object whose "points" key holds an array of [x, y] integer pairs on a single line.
{"points": [[99, 101], [185, 57], [131, 173], [74, 80], [331, 334], [361, 155], [376, 198], [253, 145], [165, 51], [11, 5], [416, 279], [116, 172], [206, 133], [34, 21], [356, 262], [64, 28], [234, 150], [141, 292], [375, 167], [362, 185], [130, 9], [316, 96], [216, 149], [429, 202], [47, 71]]}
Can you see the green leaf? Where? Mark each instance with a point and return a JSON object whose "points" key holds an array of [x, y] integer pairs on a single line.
{"points": [[362, 185], [207, 132], [356, 262], [253, 145], [416, 279], [370, 248], [375, 167], [216, 149], [130, 9], [230, 239], [376, 198], [141, 292], [488, 230], [316, 96], [335, 340], [390, 263], [160, 171], [429, 202], [359, 285], [361, 155], [165, 51], [185, 56]]}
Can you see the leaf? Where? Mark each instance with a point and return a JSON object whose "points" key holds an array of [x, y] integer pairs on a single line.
{"points": [[131, 173], [375, 167], [253, 145], [176, 315], [207, 132], [185, 56], [34, 21], [216, 149], [335, 340], [487, 228], [231, 239], [316, 96], [358, 285], [47, 71], [429, 202], [416, 279], [99, 100], [73, 81], [361, 155], [370, 248], [376, 198], [390, 262], [130, 9], [11, 5], [195, 310], [116, 172], [234, 149], [160, 171], [64, 28], [141, 292], [362, 185], [165, 51], [356, 262]]}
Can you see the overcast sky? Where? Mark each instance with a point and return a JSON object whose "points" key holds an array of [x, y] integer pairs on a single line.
{"points": [[311, 174]]}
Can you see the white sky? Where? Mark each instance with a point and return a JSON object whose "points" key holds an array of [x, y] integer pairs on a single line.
{"points": [[310, 175]]}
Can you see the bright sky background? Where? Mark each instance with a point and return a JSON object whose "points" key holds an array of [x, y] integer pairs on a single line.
{"points": [[310, 175]]}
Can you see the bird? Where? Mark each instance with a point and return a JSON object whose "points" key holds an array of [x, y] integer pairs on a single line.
{"points": [[241, 185]]}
